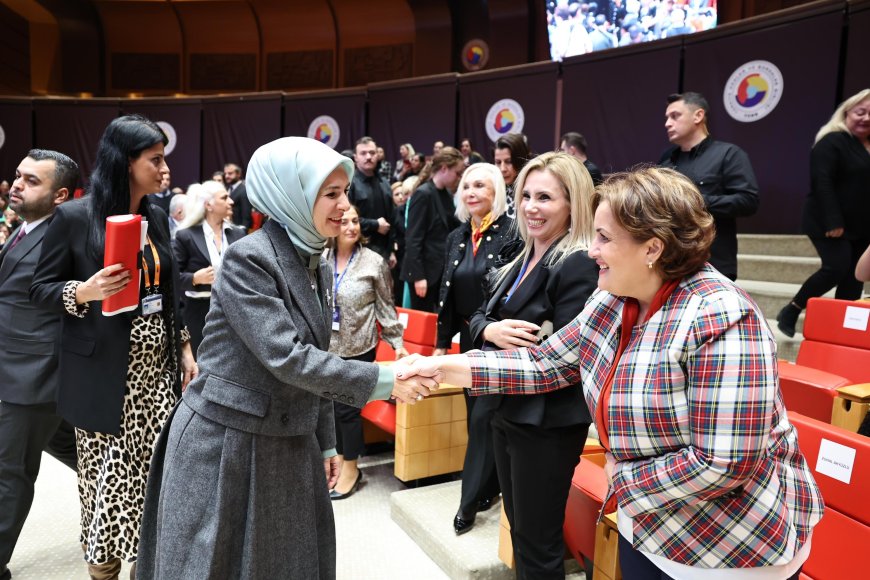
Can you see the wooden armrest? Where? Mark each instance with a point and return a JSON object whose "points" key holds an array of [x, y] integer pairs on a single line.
{"points": [[859, 393]]}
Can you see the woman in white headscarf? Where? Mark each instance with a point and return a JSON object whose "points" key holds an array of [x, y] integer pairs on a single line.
{"points": [[240, 477]]}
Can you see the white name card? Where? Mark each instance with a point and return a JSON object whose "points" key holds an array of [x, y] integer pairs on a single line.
{"points": [[403, 318], [836, 461], [856, 318]]}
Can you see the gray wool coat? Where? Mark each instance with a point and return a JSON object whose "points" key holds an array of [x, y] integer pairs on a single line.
{"points": [[237, 487]]}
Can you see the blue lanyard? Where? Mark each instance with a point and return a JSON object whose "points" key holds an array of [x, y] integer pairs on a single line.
{"points": [[335, 275], [517, 281]]}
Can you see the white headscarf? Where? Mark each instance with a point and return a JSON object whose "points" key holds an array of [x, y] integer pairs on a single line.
{"points": [[283, 179]]}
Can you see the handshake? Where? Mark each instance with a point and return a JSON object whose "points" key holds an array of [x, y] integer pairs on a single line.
{"points": [[416, 377]]}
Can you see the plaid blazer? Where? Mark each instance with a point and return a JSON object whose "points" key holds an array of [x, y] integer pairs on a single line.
{"points": [[708, 466]]}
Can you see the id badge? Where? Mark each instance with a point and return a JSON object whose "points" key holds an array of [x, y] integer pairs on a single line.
{"points": [[336, 319], [152, 304]]}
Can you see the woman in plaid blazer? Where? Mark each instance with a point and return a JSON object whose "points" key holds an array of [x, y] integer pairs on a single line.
{"points": [[679, 371]]}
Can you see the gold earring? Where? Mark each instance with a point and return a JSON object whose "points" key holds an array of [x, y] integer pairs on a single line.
{"points": [[649, 265]]}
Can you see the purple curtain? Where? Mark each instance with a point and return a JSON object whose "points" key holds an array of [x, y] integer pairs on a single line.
{"points": [[804, 45], [181, 120], [416, 111], [488, 106], [341, 116], [73, 127], [617, 100], [16, 134], [857, 73], [235, 127]]}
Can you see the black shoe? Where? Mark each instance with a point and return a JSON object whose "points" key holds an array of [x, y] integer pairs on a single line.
{"points": [[336, 495], [485, 504], [787, 319], [5, 574], [462, 524]]}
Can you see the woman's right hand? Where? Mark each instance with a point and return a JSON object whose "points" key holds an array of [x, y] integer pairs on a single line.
{"points": [[203, 276], [509, 333], [835, 233], [420, 288], [106, 282]]}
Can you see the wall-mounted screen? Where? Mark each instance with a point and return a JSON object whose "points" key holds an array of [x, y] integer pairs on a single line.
{"points": [[577, 27]]}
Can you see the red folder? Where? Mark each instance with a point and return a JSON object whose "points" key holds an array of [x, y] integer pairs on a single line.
{"points": [[123, 244]]}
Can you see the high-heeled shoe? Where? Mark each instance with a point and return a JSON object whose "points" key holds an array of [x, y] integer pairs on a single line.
{"points": [[463, 524], [335, 495]]}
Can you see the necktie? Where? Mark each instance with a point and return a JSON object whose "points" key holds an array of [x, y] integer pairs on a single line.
{"points": [[18, 238]]}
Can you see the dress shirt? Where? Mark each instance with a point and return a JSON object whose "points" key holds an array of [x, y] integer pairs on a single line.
{"points": [[723, 174]]}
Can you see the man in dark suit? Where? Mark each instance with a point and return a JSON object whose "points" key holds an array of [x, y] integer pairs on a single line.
{"points": [[372, 197], [575, 144], [28, 352], [241, 206]]}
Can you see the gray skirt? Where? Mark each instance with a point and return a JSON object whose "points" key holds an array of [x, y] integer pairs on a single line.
{"points": [[223, 503]]}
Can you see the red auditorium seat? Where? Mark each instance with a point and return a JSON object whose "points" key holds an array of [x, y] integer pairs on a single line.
{"points": [[841, 539], [588, 488], [809, 391], [382, 414], [831, 347]]}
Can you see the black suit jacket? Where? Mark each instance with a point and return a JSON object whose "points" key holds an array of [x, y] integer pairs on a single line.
{"points": [[429, 224], [191, 254], [29, 347], [94, 350], [242, 207], [555, 295]]}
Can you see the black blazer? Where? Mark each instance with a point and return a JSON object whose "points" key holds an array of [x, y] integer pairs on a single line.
{"points": [[28, 349], [94, 350], [556, 295], [191, 254], [429, 224], [499, 233], [242, 207]]}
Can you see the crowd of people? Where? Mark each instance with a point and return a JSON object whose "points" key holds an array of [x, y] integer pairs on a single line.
{"points": [[211, 426]]}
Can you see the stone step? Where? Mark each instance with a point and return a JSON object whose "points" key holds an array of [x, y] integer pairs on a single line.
{"points": [[772, 296], [775, 245], [426, 514], [786, 348], [790, 269]]}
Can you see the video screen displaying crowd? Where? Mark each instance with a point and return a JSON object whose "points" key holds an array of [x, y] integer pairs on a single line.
{"points": [[576, 27]]}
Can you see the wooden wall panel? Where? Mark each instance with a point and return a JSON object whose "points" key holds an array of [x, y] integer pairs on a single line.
{"points": [[14, 53]]}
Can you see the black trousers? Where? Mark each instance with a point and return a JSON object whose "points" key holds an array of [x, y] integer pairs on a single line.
{"points": [[479, 477], [349, 441], [195, 310], [25, 432], [637, 566], [535, 466], [839, 258]]}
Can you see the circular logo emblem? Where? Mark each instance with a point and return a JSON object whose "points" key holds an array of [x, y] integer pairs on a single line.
{"points": [[753, 91], [475, 54], [2, 137], [325, 129], [169, 130], [505, 116]]}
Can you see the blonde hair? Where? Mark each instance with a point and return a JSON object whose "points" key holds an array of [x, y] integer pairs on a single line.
{"points": [[410, 149], [577, 186], [654, 202], [837, 122], [199, 194], [499, 200]]}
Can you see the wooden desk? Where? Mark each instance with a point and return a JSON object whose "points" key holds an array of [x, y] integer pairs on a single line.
{"points": [[431, 435]]}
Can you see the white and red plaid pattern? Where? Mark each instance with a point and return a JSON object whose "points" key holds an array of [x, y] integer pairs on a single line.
{"points": [[708, 464]]}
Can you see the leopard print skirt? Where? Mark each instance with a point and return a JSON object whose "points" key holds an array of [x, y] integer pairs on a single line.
{"points": [[113, 469]]}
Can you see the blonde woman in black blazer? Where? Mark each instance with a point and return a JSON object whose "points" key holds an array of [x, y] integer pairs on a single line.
{"points": [[199, 246]]}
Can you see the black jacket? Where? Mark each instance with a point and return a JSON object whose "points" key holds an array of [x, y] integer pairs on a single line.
{"points": [[370, 194], [429, 223], [241, 207], [94, 350], [840, 192], [191, 254], [556, 295], [499, 233], [723, 174]]}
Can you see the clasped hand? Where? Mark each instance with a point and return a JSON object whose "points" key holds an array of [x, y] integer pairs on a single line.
{"points": [[416, 377]]}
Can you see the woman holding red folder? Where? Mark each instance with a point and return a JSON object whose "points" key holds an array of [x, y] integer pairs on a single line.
{"points": [[123, 373]]}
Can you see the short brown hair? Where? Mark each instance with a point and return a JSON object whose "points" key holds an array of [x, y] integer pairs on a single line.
{"points": [[654, 202]]}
